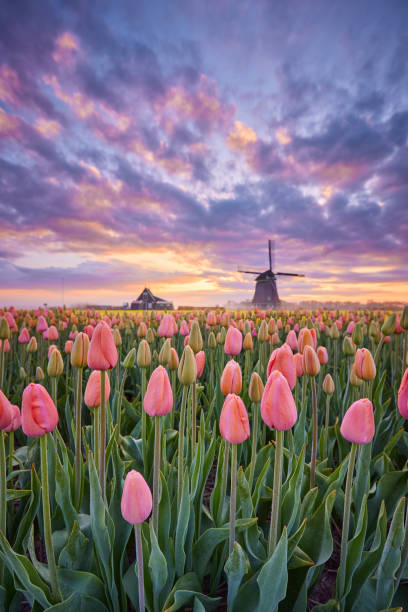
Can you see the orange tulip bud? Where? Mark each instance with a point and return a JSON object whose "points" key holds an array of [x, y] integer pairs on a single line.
{"points": [[39, 414], [311, 364], [158, 399], [234, 422], [79, 353], [102, 353], [231, 378], [364, 364], [278, 408], [93, 389], [328, 385]]}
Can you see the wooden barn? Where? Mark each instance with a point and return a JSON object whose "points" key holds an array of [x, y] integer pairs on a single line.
{"points": [[148, 301]]}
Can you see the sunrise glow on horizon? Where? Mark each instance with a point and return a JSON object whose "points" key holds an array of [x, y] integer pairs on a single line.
{"points": [[162, 144]]}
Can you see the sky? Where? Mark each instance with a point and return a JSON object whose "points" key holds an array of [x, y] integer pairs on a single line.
{"points": [[163, 143]]}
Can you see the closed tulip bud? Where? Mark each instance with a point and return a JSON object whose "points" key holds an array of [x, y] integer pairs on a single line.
{"points": [[41, 325], [200, 362], [355, 381], [322, 355], [68, 347], [155, 356], [234, 422], [211, 318], [174, 360], [130, 359], [357, 335], [233, 341], [102, 353], [39, 414], [263, 331], [404, 318], [358, 422], [55, 364], [212, 343], [275, 339], [219, 338], [39, 374], [231, 378], [403, 396], [364, 364], [348, 347], [328, 385], [278, 408], [223, 335], [195, 339], [187, 370], [271, 327], [388, 327], [298, 359], [150, 335], [6, 411], [52, 333], [4, 329], [92, 396], [311, 364], [22, 373], [158, 399], [334, 332], [305, 339], [248, 343], [15, 419], [144, 356], [282, 360], [247, 328], [142, 330], [117, 338], [164, 354], [137, 502], [79, 352], [291, 340], [256, 388], [24, 336]]}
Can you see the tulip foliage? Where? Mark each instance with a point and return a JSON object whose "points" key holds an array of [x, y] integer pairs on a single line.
{"points": [[206, 459]]}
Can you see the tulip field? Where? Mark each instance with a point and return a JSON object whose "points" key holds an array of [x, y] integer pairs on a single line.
{"points": [[205, 460]]}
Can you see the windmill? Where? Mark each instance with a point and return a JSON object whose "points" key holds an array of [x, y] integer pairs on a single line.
{"points": [[266, 292]]}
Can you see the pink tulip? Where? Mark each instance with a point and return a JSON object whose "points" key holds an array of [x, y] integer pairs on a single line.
{"points": [[39, 414], [233, 342], [6, 412], [15, 419], [358, 422], [136, 504], [92, 396], [24, 336], [231, 378], [282, 360], [278, 408], [200, 361], [234, 423], [158, 399], [403, 396], [102, 354]]}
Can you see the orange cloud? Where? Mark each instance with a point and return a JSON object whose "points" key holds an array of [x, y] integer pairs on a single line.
{"points": [[8, 123], [82, 106], [282, 136], [66, 47], [241, 137], [9, 85], [47, 128]]}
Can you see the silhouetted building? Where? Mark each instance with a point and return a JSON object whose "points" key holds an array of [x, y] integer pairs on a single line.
{"points": [[148, 301]]}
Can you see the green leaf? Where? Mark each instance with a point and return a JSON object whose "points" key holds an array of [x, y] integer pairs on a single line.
{"points": [[291, 493], [273, 577], [361, 483], [76, 551], [79, 603], [28, 517], [390, 558], [13, 494], [28, 579], [184, 591], [182, 526], [355, 547], [244, 499], [368, 564], [157, 567], [236, 567], [63, 494], [390, 488], [204, 547]]}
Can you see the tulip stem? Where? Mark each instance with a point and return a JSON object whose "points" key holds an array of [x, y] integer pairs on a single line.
{"points": [[139, 561], [102, 436], [47, 518], [404, 554], [233, 496], [54, 390], [11, 450], [277, 485], [119, 405], [3, 496], [346, 520], [180, 458], [78, 437], [314, 433], [326, 427], [144, 441], [173, 390], [224, 481], [193, 417], [255, 409], [377, 352], [2, 363], [156, 474]]}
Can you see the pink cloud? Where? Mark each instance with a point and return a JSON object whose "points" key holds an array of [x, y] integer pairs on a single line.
{"points": [[10, 88], [66, 48]]}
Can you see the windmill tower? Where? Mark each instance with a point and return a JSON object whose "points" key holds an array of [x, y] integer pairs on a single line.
{"points": [[266, 292]]}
